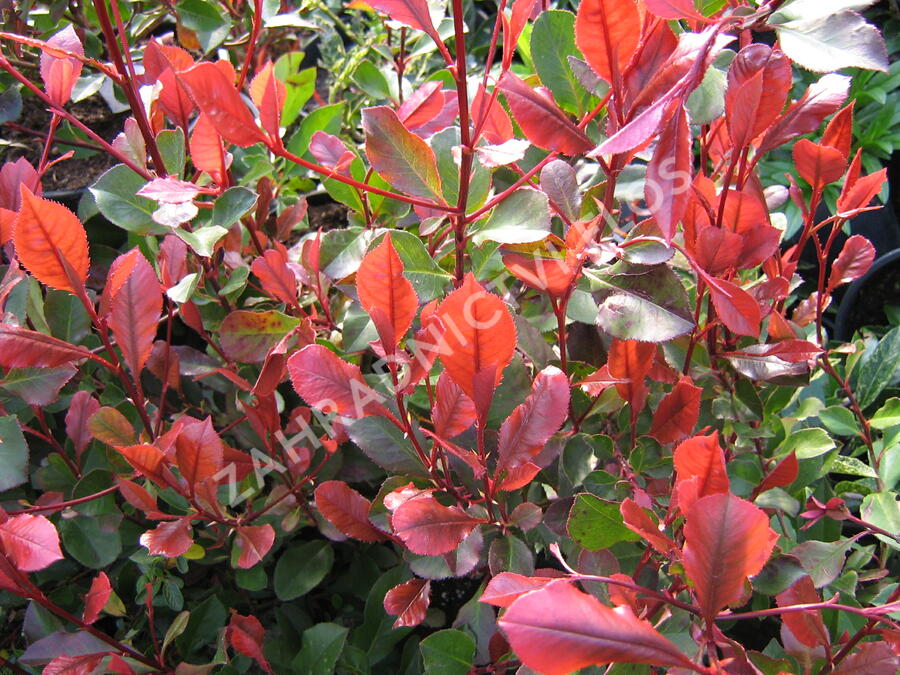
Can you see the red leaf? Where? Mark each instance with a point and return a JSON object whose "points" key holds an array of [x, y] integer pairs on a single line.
{"points": [[347, 510], [558, 629], [31, 543], [637, 520], [199, 452], [330, 384], [110, 426], [169, 190], [170, 539], [506, 587], [784, 473], [134, 312], [12, 176], [677, 412], [674, 9], [817, 164], [207, 152], [735, 307], [212, 92], [716, 249], [497, 127], [47, 237], [138, 497], [147, 460], [807, 627], [81, 407], [479, 340], [386, 294], [412, 13], [430, 528], [820, 100], [854, 261], [759, 81], [700, 458], [85, 664], [667, 189], [525, 432], [422, 107], [839, 132], [96, 598], [161, 62], [60, 73], [255, 541], [453, 411], [408, 602], [21, 348], [608, 32], [268, 94], [550, 275], [629, 362], [399, 156], [726, 540], [522, 10], [856, 196], [871, 658], [277, 278], [246, 634], [542, 121]]}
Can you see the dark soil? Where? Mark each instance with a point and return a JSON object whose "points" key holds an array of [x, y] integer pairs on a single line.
{"points": [[76, 172], [329, 216]]}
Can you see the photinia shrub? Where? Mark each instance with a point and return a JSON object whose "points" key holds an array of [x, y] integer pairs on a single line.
{"points": [[550, 395]]}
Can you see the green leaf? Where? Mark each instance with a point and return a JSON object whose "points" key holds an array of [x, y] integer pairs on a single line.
{"points": [[66, 316], [202, 241], [510, 554], [231, 205], [852, 467], [207, 618], [13, 454], [641, 303], [372, 81], [839, 420], [327, 119], [522, 218], [883, 510], [399, 156], [116, 196], [184, 289], [448, 652], [878, 370], [428, 280], [596, 524], [888, 415], [707, 102], [299, 84], [828, 43], [92, 483], [822, 560], [37, 386], [94, 541], [807, 443], [171, 146], [206, 21], [301, 568], [176, 628], [385, 444], [442, 143], [552, 42], [322, 647], [247, 336]]}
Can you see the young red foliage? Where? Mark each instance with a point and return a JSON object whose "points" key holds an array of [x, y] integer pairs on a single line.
{"points": [[427, 527], [807, 627], [96, 598], [677, 413], [254, 541], [478, 342], [60, 73], [558, 629], [246, 635], [22, 348], [199, 452], [134, 312], [29, 542], [542, 121], [412, 13], [215, 95], [497, 127], [347, 510], [818, 164], [608, 32], [453, 411], [276, 276], [84, 664], [667, 189], [331, 384], [699, 469], [629, 362], [782, 474], [759, 81], [735, 307], [726, 540], [503, 589], [525, 432], [81, 407], [408, 602], [268, 94], [48, 238], [638, 520], [386, 295], [674, 9], [170, 539], [854, 260]]}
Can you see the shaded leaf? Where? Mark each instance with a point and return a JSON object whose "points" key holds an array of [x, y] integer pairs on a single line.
{"points": [[677, 413], [408, 602]]}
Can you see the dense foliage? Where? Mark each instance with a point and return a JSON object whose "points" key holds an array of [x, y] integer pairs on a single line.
{"points": [[482, 347]]}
